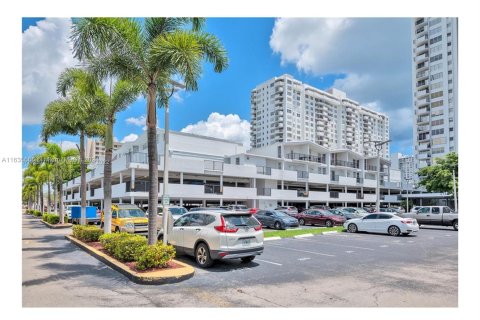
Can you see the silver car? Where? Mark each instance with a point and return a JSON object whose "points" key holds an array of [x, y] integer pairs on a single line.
{"points": [[216, 235]]}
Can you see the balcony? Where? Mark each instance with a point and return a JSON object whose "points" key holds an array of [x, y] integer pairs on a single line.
{"points": [[343, 163], [264, 170], [212, 189], [302, 194], [370, 168], [334, 194], [421, 57], [264, 192], [302, 175], [360, 196], [138, 186], [305, 157], [211, 165]]}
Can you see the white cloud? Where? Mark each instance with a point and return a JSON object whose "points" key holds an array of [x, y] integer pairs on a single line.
{"points": [[373, 54], [229, 127], [46, 52], [32, 145], [66, 145], [140, 121], [131, 137]]}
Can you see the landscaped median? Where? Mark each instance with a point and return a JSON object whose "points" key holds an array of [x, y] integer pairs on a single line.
{"points": [[130, 255], [297, 232], [52, 221]]}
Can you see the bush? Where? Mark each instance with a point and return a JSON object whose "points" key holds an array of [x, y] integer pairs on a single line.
{"points": [[53, 218], [44, 217], [123, 246], [155, 256], [87, 233], [37, 213]]}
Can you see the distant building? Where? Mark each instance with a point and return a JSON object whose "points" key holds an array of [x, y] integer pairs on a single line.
{"points": [[284, 109], [435, 87], [406, 165], [96, 149]]}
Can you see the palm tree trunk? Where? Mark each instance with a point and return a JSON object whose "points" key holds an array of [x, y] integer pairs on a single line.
{"points": [[49, 202], [83, 180], [41, 198], [55, 192], [107, 178], [152, 163], [60, 199]]}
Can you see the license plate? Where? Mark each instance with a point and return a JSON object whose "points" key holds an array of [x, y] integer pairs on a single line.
{"points": [[245, 243]]}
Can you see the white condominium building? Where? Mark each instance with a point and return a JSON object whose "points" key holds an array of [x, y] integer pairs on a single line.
{"points": [[404, 163], [284, 109], [435, 85], [96, 148], [209, 171]]}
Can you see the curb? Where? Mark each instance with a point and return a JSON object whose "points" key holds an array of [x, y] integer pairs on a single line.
{"points": [[54, 226], [155, 277], [306, 235], [330, 232], [271, 238]]}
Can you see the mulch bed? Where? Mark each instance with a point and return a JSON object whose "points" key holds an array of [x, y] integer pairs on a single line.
{"points": [[132, 265]]}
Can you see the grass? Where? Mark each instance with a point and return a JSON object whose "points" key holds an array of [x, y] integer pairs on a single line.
{"points": [[292, 233]]}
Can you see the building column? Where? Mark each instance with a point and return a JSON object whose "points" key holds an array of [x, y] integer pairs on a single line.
{"points": [[88, 203], [283, 185], [181, 202], [254, 183], [132, 180], [101, 183], [132, 200], [121, 177], [181, 177], [204, 203], [101, 204], [120, 200], [307, 204], [236, 184], [221, 201]]}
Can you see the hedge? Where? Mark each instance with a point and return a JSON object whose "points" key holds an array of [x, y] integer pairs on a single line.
{"points": [[123, 246], [86, 233], [37, 213], [155, 256]]}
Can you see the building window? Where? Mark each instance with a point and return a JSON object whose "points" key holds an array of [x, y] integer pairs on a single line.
{"points": [[436, 58], [237, 161]]}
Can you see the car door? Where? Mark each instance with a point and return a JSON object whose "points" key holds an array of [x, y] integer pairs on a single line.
{"points": [[368, 223], [115, 219], [193, 230], [423, 215], [382, 222], [269, 218], [320, 217], [309, 217], [436, 216], [178, 230]]}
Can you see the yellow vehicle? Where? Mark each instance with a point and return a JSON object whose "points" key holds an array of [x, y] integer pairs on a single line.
{"points": [[128, 218]]}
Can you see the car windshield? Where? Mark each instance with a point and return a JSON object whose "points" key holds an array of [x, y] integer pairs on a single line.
{"points": [[360, 210], [131, 213], [281, 214], [240, 207], [243, 220], [177, 211]]}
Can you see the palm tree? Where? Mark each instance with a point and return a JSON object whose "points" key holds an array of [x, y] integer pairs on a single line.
{"points": [[61, 166], [76, 113], [149, 55]]}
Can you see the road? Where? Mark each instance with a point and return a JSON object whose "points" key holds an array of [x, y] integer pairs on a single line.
{"points": [[339, 270]]}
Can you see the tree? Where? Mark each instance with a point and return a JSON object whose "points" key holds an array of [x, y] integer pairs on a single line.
{"points": [[149, 55], [439, 177], [76, 113], [62, 162]]}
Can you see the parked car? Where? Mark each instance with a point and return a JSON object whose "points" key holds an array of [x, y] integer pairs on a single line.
{"points": [[238, 208], [253, 210], [346, 214], [210, 235], [415, 209], [276, 219], [128, 218], [390, 210], [205, 209], [319, 217], [176, 211], [290, 210], [358, 211], [382, 223], [369, 209], [434, 215], [320, 207]]}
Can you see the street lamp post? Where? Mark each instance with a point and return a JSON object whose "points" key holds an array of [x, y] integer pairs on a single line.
{"points": [[378, 146], [166, 156], [408, 185]]}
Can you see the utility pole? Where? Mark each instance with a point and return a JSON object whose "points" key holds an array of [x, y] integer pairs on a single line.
{"points": [[166, 156], [378, 146], [408, 186]]}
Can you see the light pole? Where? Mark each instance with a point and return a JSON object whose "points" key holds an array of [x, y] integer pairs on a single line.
{"points": [[166, 155], [408, 185], [378, 146]]}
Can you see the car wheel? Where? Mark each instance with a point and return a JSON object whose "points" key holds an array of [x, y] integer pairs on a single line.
{"points": [[101, 225], [301, 222], [277, 225], [117, 229], [352, 227], [455, 225], [248, 259], [160, 237], [202, 256], [394, 231], [329, 223]]}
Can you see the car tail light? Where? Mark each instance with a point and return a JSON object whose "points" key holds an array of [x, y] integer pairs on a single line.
{"points": [[258, 228], [407, 221], [224, 228]]}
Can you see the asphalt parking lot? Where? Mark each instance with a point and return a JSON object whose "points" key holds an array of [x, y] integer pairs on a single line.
{"points": [[335, 270]]}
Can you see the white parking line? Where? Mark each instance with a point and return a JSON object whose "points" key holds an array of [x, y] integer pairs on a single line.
{"points": [[271, 238], [383, 246], [277, 264], [318, 253], [303, 259], [349, 251], [336, 244]]}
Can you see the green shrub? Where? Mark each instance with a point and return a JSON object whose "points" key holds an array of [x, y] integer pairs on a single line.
{"points": [[109, 240], [87, 233], [123, 246], [44, 217], [155, 256], [53, 218], [37, 213]]}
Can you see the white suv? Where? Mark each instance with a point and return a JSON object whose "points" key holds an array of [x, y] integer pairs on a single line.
{"points": [[216, 235]]}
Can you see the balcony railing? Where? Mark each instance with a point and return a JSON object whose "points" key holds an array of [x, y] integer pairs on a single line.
{"points": [[370, 168], [359, 196], [343, 163], [264, 170], [302, 174], [139, 157], [213, 189], [305, 157], [138, 186], [334, 178], [264, 192], [334, 194], [211, 165]]}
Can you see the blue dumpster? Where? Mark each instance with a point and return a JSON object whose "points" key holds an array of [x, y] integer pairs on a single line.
{"points": [[91, 213]]}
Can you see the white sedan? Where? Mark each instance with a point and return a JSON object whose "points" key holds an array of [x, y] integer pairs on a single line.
{"points": [[382, 223]]}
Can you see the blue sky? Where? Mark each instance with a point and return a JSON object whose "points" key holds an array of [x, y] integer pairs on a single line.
{"points": [[258, 49]]}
